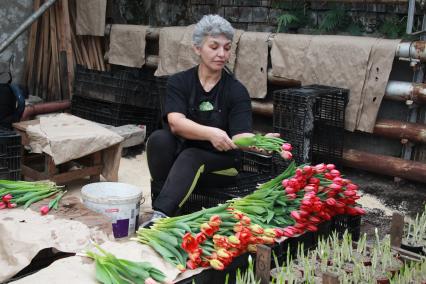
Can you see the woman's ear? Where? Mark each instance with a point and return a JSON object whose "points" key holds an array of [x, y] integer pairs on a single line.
{"points": [[196, 49]]}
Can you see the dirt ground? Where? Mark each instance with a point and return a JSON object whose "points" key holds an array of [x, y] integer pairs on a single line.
{"points": [[382, 196]]}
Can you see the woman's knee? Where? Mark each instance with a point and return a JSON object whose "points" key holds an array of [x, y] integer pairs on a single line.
{"points": [[161, 139]]}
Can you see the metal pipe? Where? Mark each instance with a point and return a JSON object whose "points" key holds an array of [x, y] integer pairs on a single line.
{"points": [[26, 24], [31, 110], [412, 50], [414, 132], [403, 91], [387, 165]]}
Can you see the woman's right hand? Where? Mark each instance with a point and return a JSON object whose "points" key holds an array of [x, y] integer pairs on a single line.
{"points": [[220, 140]]}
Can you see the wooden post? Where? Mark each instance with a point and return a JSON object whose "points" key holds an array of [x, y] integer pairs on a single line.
{"points": [[263, 263], [330, 278], [397, 229]]}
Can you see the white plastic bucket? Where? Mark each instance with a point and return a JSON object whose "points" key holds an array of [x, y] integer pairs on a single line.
{"points": [[118, 201]]}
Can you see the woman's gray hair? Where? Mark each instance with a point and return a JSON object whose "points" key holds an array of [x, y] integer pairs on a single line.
{"points": [[211, 25]]}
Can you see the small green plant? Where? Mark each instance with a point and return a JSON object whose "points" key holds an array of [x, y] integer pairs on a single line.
{"points": [[285, 20], [335, 19], [393, 27], [416, 232]]}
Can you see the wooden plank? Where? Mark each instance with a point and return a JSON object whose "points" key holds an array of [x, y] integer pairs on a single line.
{"points": [[54, 65], [33, 174], [32, 40], [100, 52], [397, 229], [62, 58], [263, 263], [68, 47], [46, 54], [76, 174]]}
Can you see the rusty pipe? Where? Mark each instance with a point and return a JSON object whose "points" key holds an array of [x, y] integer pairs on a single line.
{"points": [[32, 110], [395, 129], [387, 165], [403, 91], [414, 132]]}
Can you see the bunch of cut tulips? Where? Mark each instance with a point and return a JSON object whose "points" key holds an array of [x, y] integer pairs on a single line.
{"points": [[24, 193]]}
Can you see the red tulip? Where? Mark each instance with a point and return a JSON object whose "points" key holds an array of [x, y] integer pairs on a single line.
{"points": [[3, 205], [189, 244], [191, 265], [44, 210], [216, 264], [330, 167], [215, 221], [287, 147], [286, 155], [351, 186], [12, 205], [207, 229], [7, 198], [200, 237]]}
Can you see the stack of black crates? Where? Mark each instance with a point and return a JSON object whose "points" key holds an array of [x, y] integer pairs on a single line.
{"points": [[312, 119], [10, 155], [255, 168], [117, 97]]}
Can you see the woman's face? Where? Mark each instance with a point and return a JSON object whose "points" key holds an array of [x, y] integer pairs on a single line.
{"points": [[214, 52]]}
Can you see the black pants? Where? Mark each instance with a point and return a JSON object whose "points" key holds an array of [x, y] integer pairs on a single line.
{"points": [[181, 168]]}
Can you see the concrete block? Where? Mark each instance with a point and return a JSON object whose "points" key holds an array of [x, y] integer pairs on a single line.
{"points": [[232, 14], [133, 135], [246, 15], [260, 14]]}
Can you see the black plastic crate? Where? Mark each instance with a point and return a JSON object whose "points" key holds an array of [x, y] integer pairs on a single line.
{"points": [[312, 119], [4, 173], [130, 86], [341, 223], [256, 163], [10, 153], [207, 197], [162, 90], [115, 114]]}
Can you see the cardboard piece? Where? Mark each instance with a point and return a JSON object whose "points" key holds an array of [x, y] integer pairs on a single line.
{"points": [[91, 17], [127, 45], [251, 66]]}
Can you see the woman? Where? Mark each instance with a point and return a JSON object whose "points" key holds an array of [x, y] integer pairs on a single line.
{"points": [[206, 108]]}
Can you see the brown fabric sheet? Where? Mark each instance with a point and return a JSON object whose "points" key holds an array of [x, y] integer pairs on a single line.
{"points": [[340, 61], [379, 68], [127, 45], [251, 66], [169, 42], [91, 17]]}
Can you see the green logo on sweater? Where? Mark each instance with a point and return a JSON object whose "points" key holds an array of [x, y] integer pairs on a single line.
{"points": [[205, 106]]}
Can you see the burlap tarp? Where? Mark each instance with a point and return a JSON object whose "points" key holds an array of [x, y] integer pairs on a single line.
{"points": [[66, 137], [78, 269], [378, 71], [251, 66], [23, 233], [339, 61], [91, 17], [176, 52], [127, 45]]}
